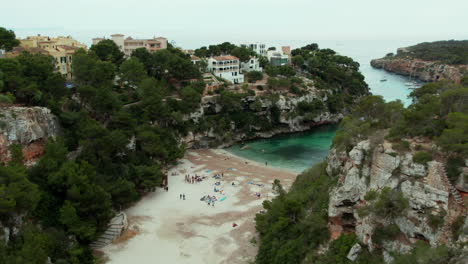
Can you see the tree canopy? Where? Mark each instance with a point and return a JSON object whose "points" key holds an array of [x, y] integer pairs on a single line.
{"points": [[8, 39]]}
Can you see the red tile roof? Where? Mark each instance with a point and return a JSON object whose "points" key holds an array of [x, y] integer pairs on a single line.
{"points": [[223, 58]]}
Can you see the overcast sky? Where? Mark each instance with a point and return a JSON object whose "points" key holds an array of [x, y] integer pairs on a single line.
{"points": [[195, 22]]}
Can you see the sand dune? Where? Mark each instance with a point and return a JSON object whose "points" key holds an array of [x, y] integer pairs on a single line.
{"points": [[166, 229]]}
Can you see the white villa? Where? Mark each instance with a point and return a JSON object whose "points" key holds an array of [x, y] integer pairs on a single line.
{"points": [[252, 65], [259, 48], [277, 58], [226, 67]]}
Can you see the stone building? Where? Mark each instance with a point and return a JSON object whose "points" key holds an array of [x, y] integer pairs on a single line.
{"points": [[128, 45]]}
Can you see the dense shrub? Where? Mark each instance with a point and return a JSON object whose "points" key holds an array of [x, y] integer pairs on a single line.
{"points": [[422, 157], [451, 51], [423, 253], [382, 233], [454, 167], [287, 231], [254, 76]]}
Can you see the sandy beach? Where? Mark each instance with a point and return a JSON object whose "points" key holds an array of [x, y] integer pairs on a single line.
{"points": [[166, 229]]}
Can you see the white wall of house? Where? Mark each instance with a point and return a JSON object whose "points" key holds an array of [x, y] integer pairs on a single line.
{"points": [[226, 67], [259, 48], [252, 65]]}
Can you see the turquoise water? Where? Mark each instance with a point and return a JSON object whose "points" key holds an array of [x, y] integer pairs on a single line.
{"points": [[300, 151], [294, 151]]}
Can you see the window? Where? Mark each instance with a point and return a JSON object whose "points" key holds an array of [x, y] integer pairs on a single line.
{"points": [[252, 61], [63, 59]]}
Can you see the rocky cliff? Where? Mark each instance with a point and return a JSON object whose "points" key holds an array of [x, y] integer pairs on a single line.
{"points": [[28, 126], [289, 120], [434, 205], [426, 71]]}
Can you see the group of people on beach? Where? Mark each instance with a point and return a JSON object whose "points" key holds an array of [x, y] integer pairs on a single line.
{"points": [[193, 179], [210, 200]]}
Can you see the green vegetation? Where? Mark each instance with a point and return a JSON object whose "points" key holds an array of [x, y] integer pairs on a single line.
{"points": [[422, 253], [330, 70], [435, 221], [450, 52], [389, 205], [422, 157], [122, 123], [31, 79], [225, 48], [254, 76], [59, 194], [7, 39], [438, 112], [107, 50], [382, 233], [454, 166], [288, 232]]}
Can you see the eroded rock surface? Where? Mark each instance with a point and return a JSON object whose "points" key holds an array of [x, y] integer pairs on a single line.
{"points": [[373, 167], [427, 71], [30, 127]]}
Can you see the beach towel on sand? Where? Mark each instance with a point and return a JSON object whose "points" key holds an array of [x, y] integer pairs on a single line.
{"points": [[222, 199]]}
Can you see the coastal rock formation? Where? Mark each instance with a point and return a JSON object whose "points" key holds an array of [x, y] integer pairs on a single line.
{"points": [[371, 167], [29, 127], [426, 71], [289, 120]]}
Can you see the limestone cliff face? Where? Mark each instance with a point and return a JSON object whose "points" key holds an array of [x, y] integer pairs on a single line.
{"points": [[427, 71], [289, 122], [374, 166], [28, 126]]}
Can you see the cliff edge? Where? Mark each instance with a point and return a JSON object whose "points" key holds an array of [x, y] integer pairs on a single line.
{"points": [[427, 71], [418, 201]]}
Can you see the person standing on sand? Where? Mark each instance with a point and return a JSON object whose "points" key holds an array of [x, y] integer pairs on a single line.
{"points": [[180, 196], [266, 163], [183, 195]]}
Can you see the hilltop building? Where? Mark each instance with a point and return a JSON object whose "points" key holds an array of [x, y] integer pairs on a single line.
{"points": [[61, 48], [278, 58], [128, 45], [194, 59], [259, 48], [251, 65], [226, 67]]}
